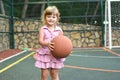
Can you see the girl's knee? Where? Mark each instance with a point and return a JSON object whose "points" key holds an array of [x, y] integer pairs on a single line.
{"points": [[44, 74], [54, 74]]}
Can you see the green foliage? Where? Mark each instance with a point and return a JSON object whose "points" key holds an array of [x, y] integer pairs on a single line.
{"points": [[71, 11]]}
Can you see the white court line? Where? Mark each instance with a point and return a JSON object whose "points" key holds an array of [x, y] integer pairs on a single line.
{"points": [[13, 56], [93, 56], [86, 50], [16, 62]]}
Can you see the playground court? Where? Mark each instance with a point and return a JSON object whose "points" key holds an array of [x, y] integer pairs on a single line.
{"points": [[82, 64]]}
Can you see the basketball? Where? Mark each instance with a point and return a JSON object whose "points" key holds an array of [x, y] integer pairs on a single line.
{"points": [[62, 46]]}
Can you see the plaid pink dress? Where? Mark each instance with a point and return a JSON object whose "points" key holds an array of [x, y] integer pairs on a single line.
{"points": [[44, 57]]}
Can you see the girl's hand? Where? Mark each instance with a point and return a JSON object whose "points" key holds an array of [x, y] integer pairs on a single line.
{"points": [[50, 46]]}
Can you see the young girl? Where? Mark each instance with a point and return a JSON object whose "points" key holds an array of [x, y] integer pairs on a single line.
{"points": [[44, 60]]}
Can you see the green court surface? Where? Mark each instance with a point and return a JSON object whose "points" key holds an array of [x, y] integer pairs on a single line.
{"points": [[82, 64]]}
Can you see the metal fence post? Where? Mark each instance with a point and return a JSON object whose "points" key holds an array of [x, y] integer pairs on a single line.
{"points": [[11, 27], [102, 18]]}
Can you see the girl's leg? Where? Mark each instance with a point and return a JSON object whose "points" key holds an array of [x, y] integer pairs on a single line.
{"points": [[54, 74], [44, 74]]}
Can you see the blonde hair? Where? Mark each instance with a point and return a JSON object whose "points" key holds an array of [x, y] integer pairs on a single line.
{"points": [[48, 11]]}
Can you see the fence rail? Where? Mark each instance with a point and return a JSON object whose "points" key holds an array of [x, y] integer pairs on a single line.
{"points": [[81, 20]]}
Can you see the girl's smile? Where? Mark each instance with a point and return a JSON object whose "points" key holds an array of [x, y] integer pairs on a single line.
{"points": [[51, 19]]}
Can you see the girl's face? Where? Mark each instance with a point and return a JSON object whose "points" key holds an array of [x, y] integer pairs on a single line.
{"points": [[51, 19]]}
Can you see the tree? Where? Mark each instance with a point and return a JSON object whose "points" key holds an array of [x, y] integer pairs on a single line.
{"points": [[2, 7], [37, 6], [43, 7], [24, 9]]}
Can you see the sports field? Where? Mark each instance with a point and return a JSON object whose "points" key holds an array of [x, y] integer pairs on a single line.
{"points": [[82, 64]]}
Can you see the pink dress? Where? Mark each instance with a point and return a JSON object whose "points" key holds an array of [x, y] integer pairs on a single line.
{"points": [[44, 57]]}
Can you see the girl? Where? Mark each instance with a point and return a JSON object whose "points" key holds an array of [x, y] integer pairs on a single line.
{"points": [[44, 60]]}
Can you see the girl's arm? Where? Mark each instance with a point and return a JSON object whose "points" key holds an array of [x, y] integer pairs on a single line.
{"points": [[61, 32], [40, 38], [42, 42]]}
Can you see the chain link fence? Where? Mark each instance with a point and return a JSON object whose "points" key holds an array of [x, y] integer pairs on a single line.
{"points": [[81, 20]]}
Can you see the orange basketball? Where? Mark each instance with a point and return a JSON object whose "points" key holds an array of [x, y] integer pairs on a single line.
{"points": [[62, 46]]}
